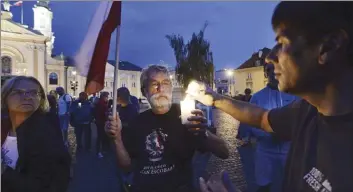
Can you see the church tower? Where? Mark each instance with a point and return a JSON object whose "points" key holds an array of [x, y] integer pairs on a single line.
{"points": [[43, 17]]}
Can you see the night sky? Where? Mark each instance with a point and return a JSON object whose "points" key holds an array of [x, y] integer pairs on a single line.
{"points": [[235, 30]]}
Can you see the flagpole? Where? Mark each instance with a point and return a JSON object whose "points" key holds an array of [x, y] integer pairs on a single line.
{"points": [[116, 69], [22, 14]]}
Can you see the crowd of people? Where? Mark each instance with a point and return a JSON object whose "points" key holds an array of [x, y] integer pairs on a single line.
{"points": [[302, 120]]}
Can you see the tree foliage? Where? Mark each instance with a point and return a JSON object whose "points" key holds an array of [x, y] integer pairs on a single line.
{"points": [[194, 59]]}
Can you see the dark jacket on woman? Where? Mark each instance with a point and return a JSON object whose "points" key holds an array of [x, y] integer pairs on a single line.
{"points": [[43, 164]]}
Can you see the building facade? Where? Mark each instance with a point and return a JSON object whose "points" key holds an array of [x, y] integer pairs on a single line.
{"points": [[225, 82], [250, 74], [28, 51]]}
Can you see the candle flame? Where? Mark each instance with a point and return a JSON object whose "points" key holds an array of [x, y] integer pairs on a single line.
{"points": [[193, 90]]}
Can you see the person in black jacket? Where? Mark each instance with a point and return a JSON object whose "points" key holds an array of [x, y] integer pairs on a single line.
{"points": [[34, 158]]}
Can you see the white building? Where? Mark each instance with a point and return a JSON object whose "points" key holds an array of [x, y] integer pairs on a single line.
{"points": [[27, 51], [225, 82]]}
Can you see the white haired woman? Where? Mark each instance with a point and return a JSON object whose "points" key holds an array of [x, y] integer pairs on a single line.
{"points": [[34, 157]]}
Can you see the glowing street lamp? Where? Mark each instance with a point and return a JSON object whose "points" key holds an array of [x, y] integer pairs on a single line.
{"points": [[230, 75], [74, 83]]}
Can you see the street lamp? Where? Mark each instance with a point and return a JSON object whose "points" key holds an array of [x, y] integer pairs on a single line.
{"points": [[229, 74], [74, 83]]}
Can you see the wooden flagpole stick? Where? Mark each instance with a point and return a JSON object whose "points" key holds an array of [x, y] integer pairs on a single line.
{"points": [[116, 69]]}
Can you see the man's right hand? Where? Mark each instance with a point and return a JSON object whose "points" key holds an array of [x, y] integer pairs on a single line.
{"points": [[201, 92], [113, 127]]}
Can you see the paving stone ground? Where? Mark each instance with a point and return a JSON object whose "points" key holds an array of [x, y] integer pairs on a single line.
{"points": [[92, 174], [227, 128]]}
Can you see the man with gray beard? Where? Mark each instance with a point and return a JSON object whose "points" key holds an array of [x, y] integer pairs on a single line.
{"points": [[159, 145]]}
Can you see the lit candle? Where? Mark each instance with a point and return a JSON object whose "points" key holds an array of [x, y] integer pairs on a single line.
{"points": [[186, 107], [194, 89]]}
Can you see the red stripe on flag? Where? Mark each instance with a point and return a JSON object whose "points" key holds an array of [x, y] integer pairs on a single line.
{"points": [[96, 73]]}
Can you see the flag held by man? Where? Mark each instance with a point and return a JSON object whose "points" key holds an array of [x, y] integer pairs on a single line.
{"points": [[92, 57]]}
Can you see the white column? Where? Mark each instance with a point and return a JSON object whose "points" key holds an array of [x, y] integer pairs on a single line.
{"points": [[138, 86], [128, 81]]}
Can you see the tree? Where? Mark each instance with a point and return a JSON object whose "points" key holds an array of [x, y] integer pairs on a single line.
{"points": [[194, 59]]}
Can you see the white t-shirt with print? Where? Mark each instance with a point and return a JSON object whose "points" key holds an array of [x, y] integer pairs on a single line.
{"points": [[9, 152], [62, 104]]}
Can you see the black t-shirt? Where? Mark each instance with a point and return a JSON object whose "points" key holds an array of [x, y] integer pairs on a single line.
{"points": [[321, 154], [161, 149], [127, 114]]}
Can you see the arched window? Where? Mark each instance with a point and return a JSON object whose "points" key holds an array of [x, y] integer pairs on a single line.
{"points": [[53, 78], [6, 65]]}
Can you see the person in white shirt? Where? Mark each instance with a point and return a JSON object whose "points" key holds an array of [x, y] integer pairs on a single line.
{"points": [[64, 104]]}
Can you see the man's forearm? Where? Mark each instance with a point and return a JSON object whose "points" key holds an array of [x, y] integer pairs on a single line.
{"points": [[122, 155], [244, 112], [216, 145]]}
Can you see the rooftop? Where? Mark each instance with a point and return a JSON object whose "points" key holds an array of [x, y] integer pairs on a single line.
{"points": [[251, 62], [125, 65]]}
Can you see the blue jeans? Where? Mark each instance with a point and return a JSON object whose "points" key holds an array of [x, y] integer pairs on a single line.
{"points": [[247, 153], [269, 169]]}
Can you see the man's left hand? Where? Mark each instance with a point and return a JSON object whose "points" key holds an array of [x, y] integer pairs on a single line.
{"points": [[198, 122]]}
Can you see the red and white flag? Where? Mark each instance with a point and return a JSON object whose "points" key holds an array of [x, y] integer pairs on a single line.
{"points": [[92, 57], [18, 3]]}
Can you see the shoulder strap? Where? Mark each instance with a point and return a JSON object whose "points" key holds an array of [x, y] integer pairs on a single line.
{"points": [[64, 97]]}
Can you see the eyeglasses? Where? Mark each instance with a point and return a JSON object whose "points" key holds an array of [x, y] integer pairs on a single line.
{"points": [[156, 85], [32, 93]]}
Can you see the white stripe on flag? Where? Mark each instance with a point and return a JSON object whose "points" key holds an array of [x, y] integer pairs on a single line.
{"points": [[84, 55]]}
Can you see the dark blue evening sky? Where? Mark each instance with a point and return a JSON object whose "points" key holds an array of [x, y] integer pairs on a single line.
{"points": [[236, 29]]}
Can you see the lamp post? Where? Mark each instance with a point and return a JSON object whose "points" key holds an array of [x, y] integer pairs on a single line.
{"points": [[230, 80], [74, 83]]}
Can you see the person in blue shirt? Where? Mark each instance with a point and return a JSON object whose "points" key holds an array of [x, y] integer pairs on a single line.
{"points": [[81, 117], [270, 152]]}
